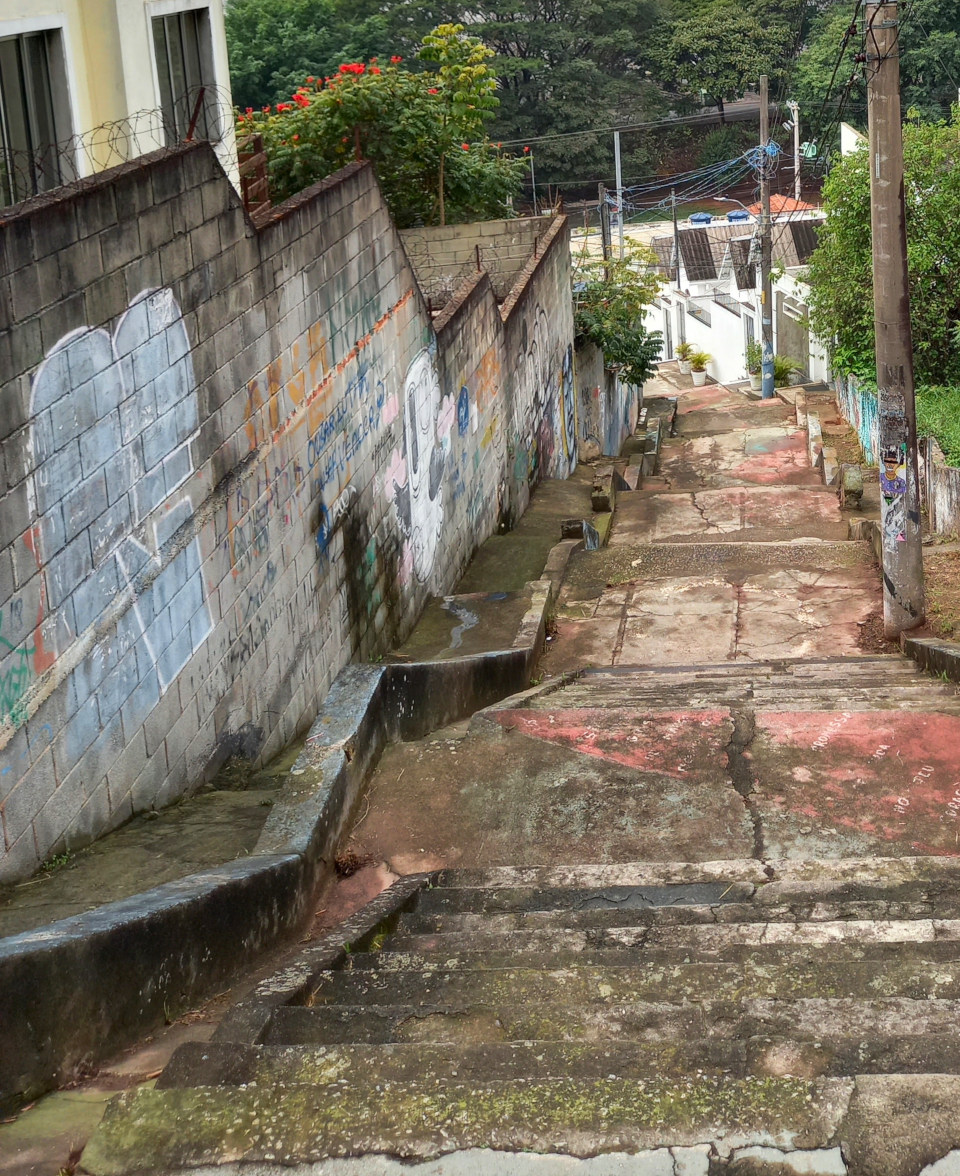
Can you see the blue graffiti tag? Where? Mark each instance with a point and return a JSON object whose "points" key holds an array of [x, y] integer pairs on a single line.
{"points": [[463, 412]]}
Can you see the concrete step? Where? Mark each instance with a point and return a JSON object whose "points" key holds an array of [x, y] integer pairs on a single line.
{"points": [[817, 1020], [413, 925], [908, 969], [926, 697], [170, 1130], [436, 1062], [775, 880], [718, 941]]}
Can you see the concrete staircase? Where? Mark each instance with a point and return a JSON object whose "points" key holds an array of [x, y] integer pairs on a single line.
{"points": [[750, 1016]]}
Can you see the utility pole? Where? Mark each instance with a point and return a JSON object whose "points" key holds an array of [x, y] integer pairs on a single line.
{"points": [[766, 245], [605, 243], [903, 597], [676, 235], [795, 114], [616, 158]]}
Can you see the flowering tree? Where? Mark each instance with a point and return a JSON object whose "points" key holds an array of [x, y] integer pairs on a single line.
{"points": [[422, 129]]}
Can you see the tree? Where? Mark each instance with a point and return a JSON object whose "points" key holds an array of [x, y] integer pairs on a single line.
{"points": [[929, 45], [274, 44], [841, 273], [609, 298], [562, 66], [422, 130], [721, 52]]}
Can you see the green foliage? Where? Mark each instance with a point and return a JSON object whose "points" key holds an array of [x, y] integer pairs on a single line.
{"points": [[938, 415], [755, 357], [683, 351], [699, 361], [561, 66], [784, 369], [275, 44], [841, 271], [608, 303], [721, 51], [928, 63], [423, 130]]}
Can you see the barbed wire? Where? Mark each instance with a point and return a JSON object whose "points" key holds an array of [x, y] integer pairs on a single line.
{"points": [[200, 113]]}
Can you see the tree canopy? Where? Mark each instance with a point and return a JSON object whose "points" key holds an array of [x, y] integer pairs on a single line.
{"points": [[841, 274], [423, 129]]}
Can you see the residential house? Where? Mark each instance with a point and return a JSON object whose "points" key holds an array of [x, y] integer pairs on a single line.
{"points": [[711, 297], [86, 84]]}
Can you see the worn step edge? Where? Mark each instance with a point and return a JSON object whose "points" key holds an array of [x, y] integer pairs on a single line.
{"points": [[423, 923], [887, 871], [198, 1064], [813, 1019], [693, 937], [249, 1124]]}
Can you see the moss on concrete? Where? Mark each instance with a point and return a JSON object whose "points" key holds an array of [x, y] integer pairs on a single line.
{"points": [[151, 1130]]}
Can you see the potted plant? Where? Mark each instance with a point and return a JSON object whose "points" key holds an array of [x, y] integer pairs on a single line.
{"points": [[698, 366], [683, 351], [755, 364], [784, 369]]}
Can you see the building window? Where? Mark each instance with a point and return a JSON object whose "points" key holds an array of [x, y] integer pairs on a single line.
{"points": [[184, 53], [35, 125]]}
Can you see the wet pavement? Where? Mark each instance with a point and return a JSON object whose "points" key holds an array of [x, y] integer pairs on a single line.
{"points": [[734, 712]]}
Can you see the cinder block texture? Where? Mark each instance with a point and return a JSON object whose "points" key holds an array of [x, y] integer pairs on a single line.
{"points": [[236, 458]]}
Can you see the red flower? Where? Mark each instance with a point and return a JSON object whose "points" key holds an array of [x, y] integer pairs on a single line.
{"points": [[374, 69], [354, 67], [266, 110], [249, 110], [311, 79], [295, 138], [301, 101], [525, 150], [465, 146], [395, 60], [374, 60], [284, 106], [433, 90], [499, 145]]}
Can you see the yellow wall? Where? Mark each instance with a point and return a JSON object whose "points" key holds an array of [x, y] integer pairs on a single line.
{"points": [[111, 70]]}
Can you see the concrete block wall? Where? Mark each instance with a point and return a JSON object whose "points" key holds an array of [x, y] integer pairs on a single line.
{"points": [[443, 255], [607, 409], [542, 434], [233, 459]]}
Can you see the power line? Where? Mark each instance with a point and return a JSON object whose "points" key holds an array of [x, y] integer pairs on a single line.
{"points": [[678, 121]]}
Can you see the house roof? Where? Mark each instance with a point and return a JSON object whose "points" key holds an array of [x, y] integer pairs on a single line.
{"points": [[804, 234], [780, 204], [707, 251], [696, 252]]}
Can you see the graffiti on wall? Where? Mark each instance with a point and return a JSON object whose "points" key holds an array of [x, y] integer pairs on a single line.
{"points": [[545, 411], [112, 422]]}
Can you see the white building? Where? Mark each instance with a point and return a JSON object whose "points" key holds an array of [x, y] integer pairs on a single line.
{"points": [[711, 295], [85, 84]]}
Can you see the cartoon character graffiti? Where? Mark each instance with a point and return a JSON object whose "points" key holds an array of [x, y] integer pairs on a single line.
{"points": [[112, 421], [893, 489], [416, 482]]}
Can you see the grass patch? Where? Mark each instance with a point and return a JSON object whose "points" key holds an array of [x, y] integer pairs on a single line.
{"points": [[938, 415], [942, 575]]}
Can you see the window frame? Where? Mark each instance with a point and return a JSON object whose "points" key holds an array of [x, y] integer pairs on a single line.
{"points": [[160, 9], [64, 89]]}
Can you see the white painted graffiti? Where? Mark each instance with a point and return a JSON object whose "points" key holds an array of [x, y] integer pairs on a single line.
{"points": [[112, 422]]}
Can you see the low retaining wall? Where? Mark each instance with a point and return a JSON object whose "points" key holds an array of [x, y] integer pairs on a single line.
{"points": [[76, 991], [859, 407]]}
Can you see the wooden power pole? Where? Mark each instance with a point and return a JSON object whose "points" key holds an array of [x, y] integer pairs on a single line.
{"points": [[903, 597], [766, 245]]}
